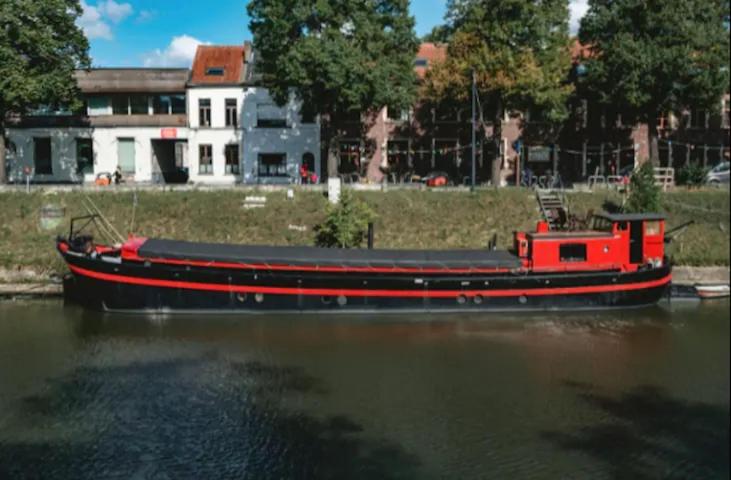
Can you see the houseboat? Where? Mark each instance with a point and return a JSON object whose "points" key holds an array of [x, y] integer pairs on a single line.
{"points": [[617, 263]]}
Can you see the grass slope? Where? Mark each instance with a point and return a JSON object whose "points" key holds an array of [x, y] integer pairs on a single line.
{"points": [[407, 219]]}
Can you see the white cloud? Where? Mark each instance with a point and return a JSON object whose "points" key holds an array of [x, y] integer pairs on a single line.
{"points": [[179, 53], [93, 24], [578, 10], [116, 12]]}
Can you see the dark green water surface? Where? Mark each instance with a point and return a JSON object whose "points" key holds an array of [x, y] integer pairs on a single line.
{"points": [[623, 395]]}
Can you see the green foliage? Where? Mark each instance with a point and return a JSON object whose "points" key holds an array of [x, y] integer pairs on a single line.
{"points": [[336, 57], [691, 175], [644, 192], [346, 224], [650, 57], [519, 50], [40, 47]]}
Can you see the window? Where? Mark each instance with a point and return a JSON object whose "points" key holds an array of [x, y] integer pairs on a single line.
{"points": [[232, 159], [161, 104], [269, 115], [177, 105], [205, 162], [698, 118], [139, 105], [398, 155], [396, 115], [663, 121], [232, 113], [421, 62], [97, 105], [120, 105], [445, 115], [126, 155], [215, 71], [84, 156], [349, 157], [308, 115], [272, 165], [42, 156], [573, 252], [652, 228], [204, 112]]}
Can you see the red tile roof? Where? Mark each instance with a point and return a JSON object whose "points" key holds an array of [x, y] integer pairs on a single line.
{"points": [[214, 57], [428, 55]]}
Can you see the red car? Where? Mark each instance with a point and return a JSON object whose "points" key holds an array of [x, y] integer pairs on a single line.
{"points": [[437, 179]]}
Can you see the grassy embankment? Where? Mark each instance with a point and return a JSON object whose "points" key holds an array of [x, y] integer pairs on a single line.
{"points": [[407, 219]]}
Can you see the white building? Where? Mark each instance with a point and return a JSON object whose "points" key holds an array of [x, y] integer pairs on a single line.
{"points": [[208, 125]]}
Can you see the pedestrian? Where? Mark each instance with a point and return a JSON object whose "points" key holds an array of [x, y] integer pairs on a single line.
{"points": [[118, 175]]}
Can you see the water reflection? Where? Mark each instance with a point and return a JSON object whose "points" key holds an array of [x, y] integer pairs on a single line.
{"points": [[636, 394]]}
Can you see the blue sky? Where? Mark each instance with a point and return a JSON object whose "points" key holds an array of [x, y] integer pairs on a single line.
{"points": [[167, 32]]}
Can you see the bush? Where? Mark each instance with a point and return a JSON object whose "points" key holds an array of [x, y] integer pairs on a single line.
{"points": [[346, 224], [692, 175], [644, 194]]}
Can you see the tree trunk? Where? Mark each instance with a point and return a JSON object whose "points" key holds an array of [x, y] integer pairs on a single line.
{"points": [[332, 155], [652, 138], [3, 172], [497, 138]]}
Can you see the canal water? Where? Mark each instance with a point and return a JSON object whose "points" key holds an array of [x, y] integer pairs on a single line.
{"points": [[637, 394]]}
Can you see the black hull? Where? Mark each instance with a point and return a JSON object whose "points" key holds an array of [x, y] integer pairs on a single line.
{"points": [[162, 288]]}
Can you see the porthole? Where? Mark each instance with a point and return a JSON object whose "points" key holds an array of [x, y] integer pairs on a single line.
{"points": [[523, 299], [259, 297], [342, 300], [478, 299], [461, 300], [326, 300], [241, 297]]}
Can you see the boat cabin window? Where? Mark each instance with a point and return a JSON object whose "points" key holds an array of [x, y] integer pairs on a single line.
{"points": [[622, 226], [602, 224], [652, 228], [572, 252]]}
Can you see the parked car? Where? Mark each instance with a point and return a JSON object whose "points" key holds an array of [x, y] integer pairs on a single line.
{"points": [[718, 174], [436, 179]]}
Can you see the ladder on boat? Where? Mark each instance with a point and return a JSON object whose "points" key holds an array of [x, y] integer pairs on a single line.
{"points": [[553, 208]]}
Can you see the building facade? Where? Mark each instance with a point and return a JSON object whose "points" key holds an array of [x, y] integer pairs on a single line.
{"points": [[211, 124]]}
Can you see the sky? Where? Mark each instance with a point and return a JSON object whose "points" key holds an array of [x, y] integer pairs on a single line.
{"points": [[165, 33]]}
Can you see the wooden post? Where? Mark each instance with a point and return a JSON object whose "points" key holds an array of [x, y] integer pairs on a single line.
{"points": [[705, 155], [584, 166], [687, 154], [555, 160]]}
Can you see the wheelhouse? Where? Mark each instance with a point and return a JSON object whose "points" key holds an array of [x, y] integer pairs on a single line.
{"points": [[621, 242]]}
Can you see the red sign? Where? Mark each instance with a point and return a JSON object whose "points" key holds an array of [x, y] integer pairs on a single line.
{"points": [[169, 133]]}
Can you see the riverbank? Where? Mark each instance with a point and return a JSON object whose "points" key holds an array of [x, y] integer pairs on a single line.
{"points": [[406, 219]]}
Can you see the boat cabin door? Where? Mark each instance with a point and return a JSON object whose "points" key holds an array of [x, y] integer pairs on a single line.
{"points": [[636, 242]]}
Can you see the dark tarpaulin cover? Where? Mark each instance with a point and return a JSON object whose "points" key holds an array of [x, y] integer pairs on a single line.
{"points": [[299, 256]]}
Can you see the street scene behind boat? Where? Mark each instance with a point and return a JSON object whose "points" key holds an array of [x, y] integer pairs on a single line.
{"points": [[427, 239]]}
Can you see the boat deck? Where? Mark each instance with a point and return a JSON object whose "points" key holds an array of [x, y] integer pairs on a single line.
{"points": [[267, 255]]}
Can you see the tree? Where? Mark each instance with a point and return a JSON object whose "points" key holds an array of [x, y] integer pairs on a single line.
{"points": [[519, 52], [346, 224], [40, 47], [648, 57], [336, 57], [644, 194]]}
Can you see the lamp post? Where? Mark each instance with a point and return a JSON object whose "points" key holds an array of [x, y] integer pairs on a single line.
{"points": [[474, 131]]}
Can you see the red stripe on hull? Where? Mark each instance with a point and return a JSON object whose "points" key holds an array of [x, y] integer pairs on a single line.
{"points": [[211, 287]]}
